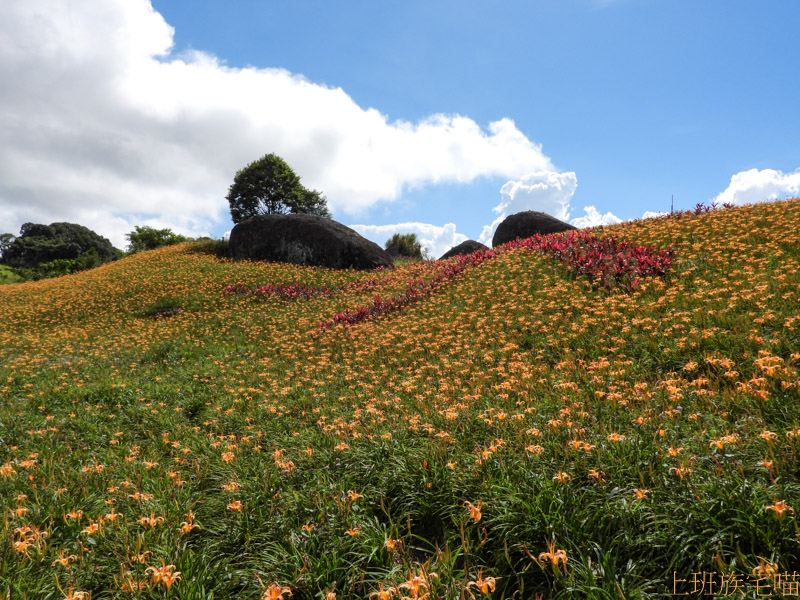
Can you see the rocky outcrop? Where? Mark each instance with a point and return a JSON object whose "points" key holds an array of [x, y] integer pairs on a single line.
{"points": [[466, 247], [525, 224], [305, 240]]}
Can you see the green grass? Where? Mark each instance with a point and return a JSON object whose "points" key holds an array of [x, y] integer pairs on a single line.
{"points": [[7, 275]]}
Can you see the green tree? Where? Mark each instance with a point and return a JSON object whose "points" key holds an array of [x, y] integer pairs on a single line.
{"points": [[38, 244], [148, 238], [6, 241], [404, 245], [270, 186]]}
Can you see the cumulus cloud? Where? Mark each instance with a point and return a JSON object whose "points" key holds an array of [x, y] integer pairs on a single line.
{"points": [[437, 240], [103, 125], [749, 187], [593, 218], [649, 214], [544, 191]]}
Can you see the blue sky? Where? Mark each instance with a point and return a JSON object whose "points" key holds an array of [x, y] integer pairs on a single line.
{"points": [[639, 99]]}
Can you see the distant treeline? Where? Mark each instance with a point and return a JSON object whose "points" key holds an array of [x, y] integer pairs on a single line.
{"points": [[41, 251]]}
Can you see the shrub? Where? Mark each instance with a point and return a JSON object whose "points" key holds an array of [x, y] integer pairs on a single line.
{"points": [[148, 238], [8, 275], [404, 245]]}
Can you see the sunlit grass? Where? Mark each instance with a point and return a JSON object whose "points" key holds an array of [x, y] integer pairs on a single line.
{"points": [[7, 275], [516, 430]]}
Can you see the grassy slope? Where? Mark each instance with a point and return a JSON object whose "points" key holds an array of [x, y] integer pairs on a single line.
{"points": [[8, 276], [517, 388]]}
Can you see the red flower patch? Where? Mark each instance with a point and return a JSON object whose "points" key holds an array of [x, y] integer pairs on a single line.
{"points": [[606, 261]]}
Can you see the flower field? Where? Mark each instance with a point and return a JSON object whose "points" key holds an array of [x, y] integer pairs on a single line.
{"points": [[603, 414]]}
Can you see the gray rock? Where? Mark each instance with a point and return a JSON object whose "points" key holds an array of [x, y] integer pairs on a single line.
{"points": [[305, 240], [526, 224], [466, 247]]}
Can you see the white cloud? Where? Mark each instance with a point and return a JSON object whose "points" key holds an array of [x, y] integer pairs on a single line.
{"points": [[103, 126], [649, 214], [548, 192], [750, 187], [593, 218], [437, 240], [544, 191]]}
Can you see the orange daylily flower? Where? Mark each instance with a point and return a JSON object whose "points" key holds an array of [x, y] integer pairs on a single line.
{"points": [[780, 508], [275, 592], [485, 585], [474, 511], [165, 574]]}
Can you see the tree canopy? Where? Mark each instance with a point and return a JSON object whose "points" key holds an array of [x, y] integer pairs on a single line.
{"points": [[149, 238], [405, 245], [268, 186], [37, 244]]}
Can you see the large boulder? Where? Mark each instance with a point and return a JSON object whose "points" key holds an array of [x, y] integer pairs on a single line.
{"points": [[305, 240], [525, 224], [466, 247]]}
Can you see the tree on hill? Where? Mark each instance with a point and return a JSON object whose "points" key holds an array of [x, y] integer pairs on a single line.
{"points": [[6, 239], [39, 244], [268, 186], [149, 238], [404, 245]]}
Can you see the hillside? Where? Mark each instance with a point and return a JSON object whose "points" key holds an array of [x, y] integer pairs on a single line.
{"points": [[515, 430]]}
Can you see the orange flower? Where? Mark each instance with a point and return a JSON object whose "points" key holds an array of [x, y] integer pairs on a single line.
{"points": [[780, 508], [140, 558], [275, 592], [391, 544], [22, 547], [75, 514], [188, 524], [112, 516], [595, 474], [474, 511], [486, 586], [552, 556], [415, 584], [165, 574], [769, 436], [765, 569], [151, 521], [7, 470], [92, 528], [384, 593], [681, 471], [63, 560]]}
